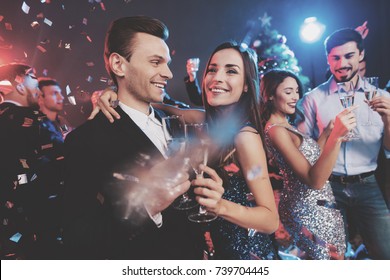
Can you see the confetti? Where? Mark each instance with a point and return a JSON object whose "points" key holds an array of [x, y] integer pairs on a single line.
{"points": [[1, 18], [6, 46], [104, 79], [35, 24], [254, 173], [72, 100], [67, 46], [33, 177], [40, 15], [251, 232], [9, 205], [45, 41], [89, 79], [24, 163], [42, 49], [27, 122], [60, 44], [85, 21], [16, 237], [48, 21], [47, 146], [90, 64], [231, 168], [102, 6], [25, 8], [68, 91], [22, 179], [8, 26], [100, 198], [89, 39], [45, 72]]}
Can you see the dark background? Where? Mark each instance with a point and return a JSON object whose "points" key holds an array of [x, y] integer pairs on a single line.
{"points": [[196, 28]]}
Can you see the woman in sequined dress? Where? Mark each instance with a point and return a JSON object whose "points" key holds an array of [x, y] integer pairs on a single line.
{"points": [[245, 206], [247, 211], [307, 205]]}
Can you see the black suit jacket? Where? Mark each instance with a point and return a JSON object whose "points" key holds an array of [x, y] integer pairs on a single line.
{"points": [[98, 223]]}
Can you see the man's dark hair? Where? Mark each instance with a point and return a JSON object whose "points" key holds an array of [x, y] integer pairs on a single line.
{"points": [[120, 35], [44, 82], [341, 37]]}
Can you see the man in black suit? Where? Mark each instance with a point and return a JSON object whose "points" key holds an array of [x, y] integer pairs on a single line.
{"points": [[118, 184]]}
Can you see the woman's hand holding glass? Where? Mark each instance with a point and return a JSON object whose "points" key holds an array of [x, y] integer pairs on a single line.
{"points": [[344, 122], [209, 191], [197, 150]]}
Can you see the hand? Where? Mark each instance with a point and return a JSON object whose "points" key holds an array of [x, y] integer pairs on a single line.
{"points": [[209, 191], [329, 128], [363, 29], [344, 122], [190, 66], [381, 104], [103, 104], [165, 182]]}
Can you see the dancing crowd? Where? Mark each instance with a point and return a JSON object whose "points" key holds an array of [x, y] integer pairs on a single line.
{"points": [[106, 189]]}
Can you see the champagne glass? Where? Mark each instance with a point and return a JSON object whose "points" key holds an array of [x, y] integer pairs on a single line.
{"points": [[346, 92], [370, 91], [198, 148], [174, 133]]}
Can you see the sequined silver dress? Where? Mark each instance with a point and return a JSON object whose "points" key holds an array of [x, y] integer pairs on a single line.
{"points": [[303, 209]]}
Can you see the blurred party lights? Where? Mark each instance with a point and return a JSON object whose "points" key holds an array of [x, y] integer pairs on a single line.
{"points": [[311, 30]]}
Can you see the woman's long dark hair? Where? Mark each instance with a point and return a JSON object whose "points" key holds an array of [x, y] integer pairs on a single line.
{"points": [[246, 109], [268, 85]]}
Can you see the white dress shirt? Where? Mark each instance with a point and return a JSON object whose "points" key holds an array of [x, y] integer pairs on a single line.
{"points": [[152, 128], [322, 104]]}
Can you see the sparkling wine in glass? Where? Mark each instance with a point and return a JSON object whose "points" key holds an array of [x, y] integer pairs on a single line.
{"points": [[197, 148], [174, 133], [346, 92], [370, 91]]}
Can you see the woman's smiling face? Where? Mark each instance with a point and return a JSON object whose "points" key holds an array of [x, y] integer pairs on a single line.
{"points": [[224, 80]]}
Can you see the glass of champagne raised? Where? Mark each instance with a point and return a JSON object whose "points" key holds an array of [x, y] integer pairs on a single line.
{"points": [[197, 148], [174, 133]]}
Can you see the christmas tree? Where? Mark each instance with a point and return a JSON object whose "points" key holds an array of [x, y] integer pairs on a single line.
{"points": [[272, 50]]}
